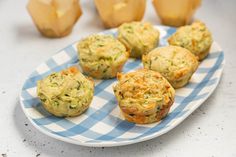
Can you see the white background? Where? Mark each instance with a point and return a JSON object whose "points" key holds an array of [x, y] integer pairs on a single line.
{"points": [[209, 132]]}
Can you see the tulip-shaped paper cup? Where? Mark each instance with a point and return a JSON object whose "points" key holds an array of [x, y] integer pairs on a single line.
{"points": [[54, 18], [115, 12], [176, 12]]}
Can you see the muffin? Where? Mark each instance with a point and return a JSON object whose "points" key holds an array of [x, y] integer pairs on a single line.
{"points": [[66, 93], [175, 63], [102, 56], [144, 96], [139, 38], [196, 38]]}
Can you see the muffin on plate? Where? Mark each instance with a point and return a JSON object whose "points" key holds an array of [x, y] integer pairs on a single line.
{"points": [[139, 38], [196, 38], [102, 56], [66, 93], [144, 96], [175, 63]]}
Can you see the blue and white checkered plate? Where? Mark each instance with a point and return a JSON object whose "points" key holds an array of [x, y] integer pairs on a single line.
{"points": [[102, 125]]}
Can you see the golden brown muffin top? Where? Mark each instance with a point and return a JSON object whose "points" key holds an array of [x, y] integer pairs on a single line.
{"points": [[143, 92], [67, 86], [138, 37], [172, 62], [101, 47], [196, 37]]}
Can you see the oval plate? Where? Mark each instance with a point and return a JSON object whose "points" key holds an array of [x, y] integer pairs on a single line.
{"points": [[102, 125]]}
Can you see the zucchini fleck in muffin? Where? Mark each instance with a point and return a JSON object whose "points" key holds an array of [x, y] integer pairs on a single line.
{"points": [[102, 56], [139, 38], [175, 63], [144, 96], [196, 38], [66, 93]]}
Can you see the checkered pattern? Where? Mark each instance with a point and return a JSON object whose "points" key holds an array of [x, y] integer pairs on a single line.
{"points": [[102, 124]]}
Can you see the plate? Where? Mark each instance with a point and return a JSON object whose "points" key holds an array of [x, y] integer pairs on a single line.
{"points": [[102, 125]]}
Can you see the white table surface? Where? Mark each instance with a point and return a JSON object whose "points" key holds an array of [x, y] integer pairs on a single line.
{"points": [[209, 132]]}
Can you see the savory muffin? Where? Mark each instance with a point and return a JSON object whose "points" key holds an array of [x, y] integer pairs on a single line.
{"points": [[139, 38], [102, 56], [196, 38], [144, 96], [66, 93], [175, 63]]}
